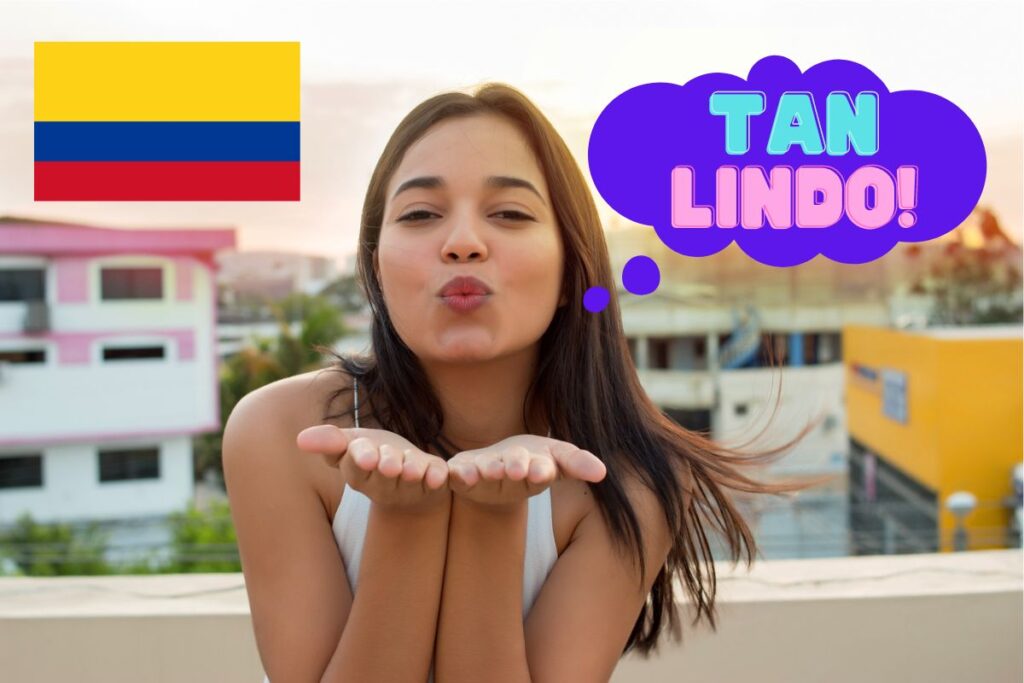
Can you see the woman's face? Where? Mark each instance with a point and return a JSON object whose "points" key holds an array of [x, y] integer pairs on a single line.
{"points": [[461, 204]]}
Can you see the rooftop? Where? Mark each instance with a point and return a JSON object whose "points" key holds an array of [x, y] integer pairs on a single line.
{"points": [[43, 237]]}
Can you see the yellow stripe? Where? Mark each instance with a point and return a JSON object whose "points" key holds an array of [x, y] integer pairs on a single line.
{"points": [[167, 81]]}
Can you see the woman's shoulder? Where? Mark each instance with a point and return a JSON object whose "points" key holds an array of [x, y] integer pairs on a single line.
{"points": [[300, 401], [261, 429], [641, 498]]}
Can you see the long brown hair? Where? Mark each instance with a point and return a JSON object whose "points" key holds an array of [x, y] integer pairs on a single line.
{"points": [[585, 378]]}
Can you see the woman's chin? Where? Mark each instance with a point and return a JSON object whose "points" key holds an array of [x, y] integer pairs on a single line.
{"points": [[466, 348], [466, 354]]}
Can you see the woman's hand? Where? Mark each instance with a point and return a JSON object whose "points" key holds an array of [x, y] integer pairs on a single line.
{"points": [[519, 467], [384, 466]]}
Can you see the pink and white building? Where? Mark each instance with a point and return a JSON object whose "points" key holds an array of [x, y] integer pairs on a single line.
{"points": [[108, 367]]}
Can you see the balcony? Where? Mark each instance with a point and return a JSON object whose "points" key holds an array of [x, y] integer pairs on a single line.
{"points": [[921, 617], [37, 317], [692, 389]]}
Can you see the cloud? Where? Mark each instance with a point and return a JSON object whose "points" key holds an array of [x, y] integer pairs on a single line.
{"points": [[648, 130]]}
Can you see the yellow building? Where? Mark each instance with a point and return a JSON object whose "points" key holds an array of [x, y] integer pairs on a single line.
{"points": [[931, 412]]}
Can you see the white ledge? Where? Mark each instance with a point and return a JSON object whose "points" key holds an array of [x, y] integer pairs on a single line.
{"points": [[925, 617], [983, 571]]}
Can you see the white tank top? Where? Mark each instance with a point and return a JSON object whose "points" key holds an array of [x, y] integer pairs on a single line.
{"points": [[541, 552]]}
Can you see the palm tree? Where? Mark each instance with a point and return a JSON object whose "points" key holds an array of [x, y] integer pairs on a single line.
{"points": [[270, 360]]}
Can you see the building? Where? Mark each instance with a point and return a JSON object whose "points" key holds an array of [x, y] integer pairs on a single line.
{"points": [[702, 343], [233, 336], [706, 366], [932, 412], [108, 367], [272, 275]]}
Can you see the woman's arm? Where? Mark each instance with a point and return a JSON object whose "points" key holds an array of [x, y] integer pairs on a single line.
{"points": [[480, 633], [295, 578], [582, 618], [393, 621]]}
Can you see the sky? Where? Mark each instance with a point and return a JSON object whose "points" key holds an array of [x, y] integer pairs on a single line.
{"points": [[365, 65]]}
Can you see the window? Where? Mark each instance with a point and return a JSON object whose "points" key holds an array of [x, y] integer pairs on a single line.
{"points": [[132, 352], [132, 283], [690, 353], [894, 395], [821, 347], [695, 420], [831, 347], [22, 284], [21, 471], [810, 344], [133, 463], [774, 349], [23, 355], [658, 353]]}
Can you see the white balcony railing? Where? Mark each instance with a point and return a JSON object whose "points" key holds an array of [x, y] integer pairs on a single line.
{"points": [[947, 617]]}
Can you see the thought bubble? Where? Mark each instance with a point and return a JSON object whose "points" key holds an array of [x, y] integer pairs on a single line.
{"points": [[788, 165]]}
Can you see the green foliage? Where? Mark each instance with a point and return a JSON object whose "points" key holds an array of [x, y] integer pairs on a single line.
{"points": [[975, 286], [54, 549], [204, 540], [321, 324], [345, 293], [271, 360]]}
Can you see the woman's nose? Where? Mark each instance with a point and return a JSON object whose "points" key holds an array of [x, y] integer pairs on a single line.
{"points": [[464, 240]]}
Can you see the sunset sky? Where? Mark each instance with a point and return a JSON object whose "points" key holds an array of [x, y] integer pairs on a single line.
{"points": [[364, 66]]}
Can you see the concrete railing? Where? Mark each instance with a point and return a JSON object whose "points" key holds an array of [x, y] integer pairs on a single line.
{"points": [[930, 617]]}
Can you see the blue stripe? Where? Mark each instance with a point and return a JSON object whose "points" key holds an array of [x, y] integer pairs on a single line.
{"points": [[167, 141]]}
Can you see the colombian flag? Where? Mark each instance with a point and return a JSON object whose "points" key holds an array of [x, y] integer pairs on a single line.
{"points": [[167, 121]]}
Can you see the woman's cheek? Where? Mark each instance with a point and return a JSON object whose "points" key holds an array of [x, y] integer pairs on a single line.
{"points": [[403, 291], [536, 292]]}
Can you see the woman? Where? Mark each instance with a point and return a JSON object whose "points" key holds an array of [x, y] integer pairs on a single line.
{"points": [[509, 502]]}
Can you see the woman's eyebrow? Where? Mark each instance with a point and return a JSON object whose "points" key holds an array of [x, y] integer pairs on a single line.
{"points": [[498, 181]]}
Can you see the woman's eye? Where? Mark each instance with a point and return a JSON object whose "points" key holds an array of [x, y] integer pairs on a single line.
{"points": [[409, 216], [518, 215], [421, 214]]}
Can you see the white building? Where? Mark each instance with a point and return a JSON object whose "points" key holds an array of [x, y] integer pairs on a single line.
{"points": [[108, 367], [232, 337], [273, 273], [699, 343]]}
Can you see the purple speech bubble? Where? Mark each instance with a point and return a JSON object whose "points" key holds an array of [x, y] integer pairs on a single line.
{"points": [[658, 155]]}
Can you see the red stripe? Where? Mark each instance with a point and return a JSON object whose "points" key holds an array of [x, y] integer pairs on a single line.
{"points": [[167, 180]]}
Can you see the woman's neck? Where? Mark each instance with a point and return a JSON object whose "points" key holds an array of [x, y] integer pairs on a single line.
{"points": [[483, 402]]}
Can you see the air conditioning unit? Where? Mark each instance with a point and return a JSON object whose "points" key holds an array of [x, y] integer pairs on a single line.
{"points": [[37, 317]]}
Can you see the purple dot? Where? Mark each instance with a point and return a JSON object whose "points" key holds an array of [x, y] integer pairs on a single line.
{"points": [[595, 299], [641, 275]]}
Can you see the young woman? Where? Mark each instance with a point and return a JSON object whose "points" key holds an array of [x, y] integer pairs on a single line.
{"points": [[492, 477]]}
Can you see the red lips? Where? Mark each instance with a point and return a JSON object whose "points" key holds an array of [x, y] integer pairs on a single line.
{"points": [[464, 285]]}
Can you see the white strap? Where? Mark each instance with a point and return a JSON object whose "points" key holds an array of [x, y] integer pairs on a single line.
{"points": [[357, 399]]}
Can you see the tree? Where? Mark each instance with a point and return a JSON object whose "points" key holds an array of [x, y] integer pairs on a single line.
{"points": [[204, 540], [54, 549], [345, 293], [271, 360], [973, 286]]}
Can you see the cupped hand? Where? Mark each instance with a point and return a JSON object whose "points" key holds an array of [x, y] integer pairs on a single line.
{"points": [[519, 467], [382, 465]]}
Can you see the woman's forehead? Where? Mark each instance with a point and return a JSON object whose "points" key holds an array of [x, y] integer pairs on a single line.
{"points": [[468, 151]]}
